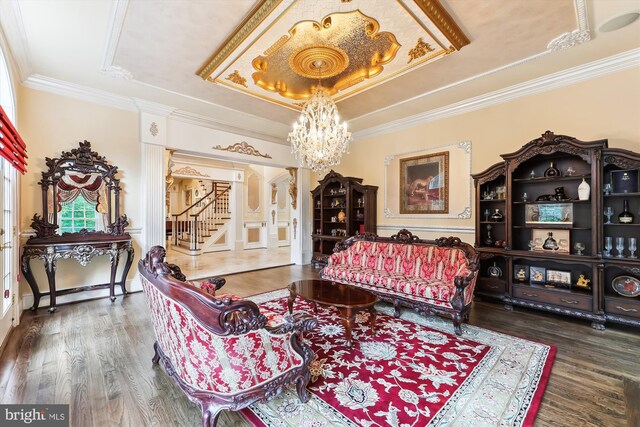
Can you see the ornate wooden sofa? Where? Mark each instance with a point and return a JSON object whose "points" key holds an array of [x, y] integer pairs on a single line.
{"points": [[222, 352], [433, 277]]}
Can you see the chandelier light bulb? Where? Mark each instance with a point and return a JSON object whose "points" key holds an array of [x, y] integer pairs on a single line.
{"points": [[319, 140]]}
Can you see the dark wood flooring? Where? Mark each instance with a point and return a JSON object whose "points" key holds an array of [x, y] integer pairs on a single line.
{"points": [[96, 356]]}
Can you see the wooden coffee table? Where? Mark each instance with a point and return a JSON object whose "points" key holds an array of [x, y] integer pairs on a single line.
{"points": [[348, 300]]}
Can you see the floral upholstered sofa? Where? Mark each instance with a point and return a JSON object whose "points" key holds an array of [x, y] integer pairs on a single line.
{"points": [[223, 352], [433, 277]]}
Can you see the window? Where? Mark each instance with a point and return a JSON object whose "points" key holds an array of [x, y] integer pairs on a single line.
{"points": [[77, 215]]}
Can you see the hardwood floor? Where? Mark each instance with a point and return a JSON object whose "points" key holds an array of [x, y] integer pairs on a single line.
{"points": [[96, 356]]}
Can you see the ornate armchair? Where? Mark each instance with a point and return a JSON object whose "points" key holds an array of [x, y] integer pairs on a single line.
{"points": [[221, 352]]}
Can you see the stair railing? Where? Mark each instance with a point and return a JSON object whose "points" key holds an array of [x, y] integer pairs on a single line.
{"points": [[183, 224], [211, 214]]}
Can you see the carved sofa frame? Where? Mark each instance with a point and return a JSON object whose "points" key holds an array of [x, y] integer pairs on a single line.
{"points": [[460, 302], [221, 320]]}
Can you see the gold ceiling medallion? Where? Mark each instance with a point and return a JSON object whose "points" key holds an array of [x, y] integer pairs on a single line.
{"points": [[289, 70], [331, 60], [242, 148], [420, 50], [236, 78]]}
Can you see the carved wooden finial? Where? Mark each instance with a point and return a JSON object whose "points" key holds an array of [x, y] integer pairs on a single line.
{"points": [[548, 136]]}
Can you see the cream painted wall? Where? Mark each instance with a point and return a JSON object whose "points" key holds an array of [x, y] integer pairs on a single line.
{"points": [[50, 124], [606, 107]]}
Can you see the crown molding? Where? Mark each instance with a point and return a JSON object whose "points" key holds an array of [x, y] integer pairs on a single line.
{"points": [[16, 37], [83, 93], [563, 41], [563, 78], [208, 122], [116, 22], [153, 107]]}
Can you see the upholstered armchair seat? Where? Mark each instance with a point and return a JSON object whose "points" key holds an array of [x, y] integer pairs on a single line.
{"points": [[222, 351]]}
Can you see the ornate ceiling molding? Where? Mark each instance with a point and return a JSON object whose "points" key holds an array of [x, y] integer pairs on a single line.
{"points": [[255, 17], [242, 148], [280, 42], [189, 171]]}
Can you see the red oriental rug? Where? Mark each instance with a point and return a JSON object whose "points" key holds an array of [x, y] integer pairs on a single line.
{"points": [[414, 372]]}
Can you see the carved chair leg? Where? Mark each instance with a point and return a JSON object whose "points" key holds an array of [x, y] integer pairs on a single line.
{"points": [[457, 324], [396, 308], [301, 387], [156, 356], [210, 414]]}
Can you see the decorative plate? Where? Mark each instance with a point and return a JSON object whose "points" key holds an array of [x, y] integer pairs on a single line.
{"points": [[626, 286]]}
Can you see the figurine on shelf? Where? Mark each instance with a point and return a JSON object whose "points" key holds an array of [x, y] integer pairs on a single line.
{"points": [[494, 270], [552, 171], [570, 171], [583, 283], [532, 175], [497, 216], [342, 216], [560, 196]]}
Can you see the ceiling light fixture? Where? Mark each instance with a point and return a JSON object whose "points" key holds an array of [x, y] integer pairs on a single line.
{"points": [[318, 139]]}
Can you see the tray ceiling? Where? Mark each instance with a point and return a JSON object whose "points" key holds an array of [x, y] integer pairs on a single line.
{"points": [[282, 50]]}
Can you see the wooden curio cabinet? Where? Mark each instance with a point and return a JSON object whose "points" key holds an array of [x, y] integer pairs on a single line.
{"points": [[542, 232], [342, 207]]}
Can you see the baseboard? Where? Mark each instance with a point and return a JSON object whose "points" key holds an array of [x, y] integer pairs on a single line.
{"points": [[133, 285]]}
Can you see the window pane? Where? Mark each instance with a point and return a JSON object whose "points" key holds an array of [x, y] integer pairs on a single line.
{"points": [[66, 213], [90, 212], [91, 225], [67, 223]]}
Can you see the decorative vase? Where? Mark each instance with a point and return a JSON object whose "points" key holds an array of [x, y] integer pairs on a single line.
{"points": [[497, 216], [552, 171], [494, 270], [584, 190], [550, 243]]}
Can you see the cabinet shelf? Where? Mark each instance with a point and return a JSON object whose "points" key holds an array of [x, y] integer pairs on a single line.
{"points": [[551, 227], [553, 178], [622, 195], [493, 201], [533, 202], [355, 193], [617, 224]]}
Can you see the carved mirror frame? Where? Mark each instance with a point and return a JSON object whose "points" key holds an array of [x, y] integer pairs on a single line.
{"points": [[85, 161]]}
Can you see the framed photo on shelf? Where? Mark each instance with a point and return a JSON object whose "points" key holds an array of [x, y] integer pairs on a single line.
{"points": [[553, 213], [538, 275], [546, 239], [559, 278], [520, 273], [424, 184], [624, 181]]}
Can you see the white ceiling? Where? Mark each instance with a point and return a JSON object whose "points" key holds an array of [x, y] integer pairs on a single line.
{"points": [[151, 50]]}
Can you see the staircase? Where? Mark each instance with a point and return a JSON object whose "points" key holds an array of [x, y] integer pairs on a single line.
{"points": [[198, 228]]}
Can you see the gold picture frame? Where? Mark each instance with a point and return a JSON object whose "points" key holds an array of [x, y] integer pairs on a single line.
{"points": [[424, 184]]}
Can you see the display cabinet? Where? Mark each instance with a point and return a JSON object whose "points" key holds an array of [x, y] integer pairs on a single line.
{"points": [[342, 207], [547, 244]]}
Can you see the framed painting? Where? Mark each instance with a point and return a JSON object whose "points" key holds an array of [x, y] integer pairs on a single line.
{"points": [[424, 184]]}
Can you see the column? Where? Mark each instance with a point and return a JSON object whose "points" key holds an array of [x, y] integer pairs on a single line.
{"points": [[153, 139]]}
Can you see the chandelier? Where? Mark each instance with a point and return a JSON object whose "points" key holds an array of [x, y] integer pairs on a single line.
{"points": [[318, 139]]}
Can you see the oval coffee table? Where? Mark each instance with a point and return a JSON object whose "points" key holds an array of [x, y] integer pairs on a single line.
{"points": [[348, 300]]}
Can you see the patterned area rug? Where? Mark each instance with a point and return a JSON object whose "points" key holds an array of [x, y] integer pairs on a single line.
{"points": [[413, 372]]}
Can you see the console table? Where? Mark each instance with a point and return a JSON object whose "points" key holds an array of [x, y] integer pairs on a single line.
{"points": [[82, 250], [80, 220]]}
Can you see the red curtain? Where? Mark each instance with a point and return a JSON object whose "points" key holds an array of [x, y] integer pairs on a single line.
{"points": [[12, 147]]}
